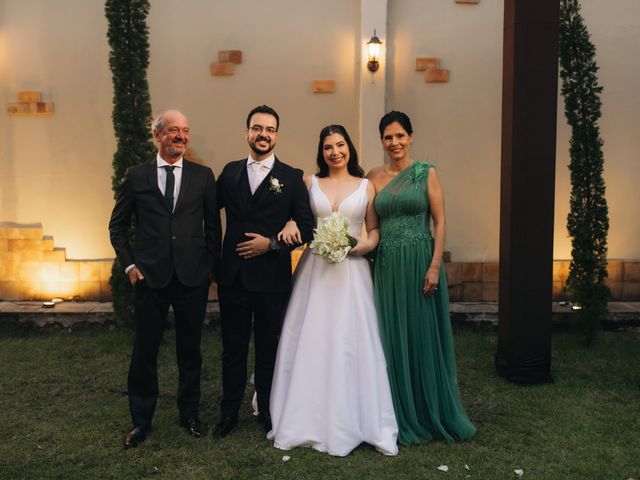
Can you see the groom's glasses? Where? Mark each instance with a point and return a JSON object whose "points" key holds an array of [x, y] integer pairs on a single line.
{"points": [[259, 129]]}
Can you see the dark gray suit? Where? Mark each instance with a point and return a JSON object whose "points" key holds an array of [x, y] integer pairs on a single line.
{"points": [[177, 252]]}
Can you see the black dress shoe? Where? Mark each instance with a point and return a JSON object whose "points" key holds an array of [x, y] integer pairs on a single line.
{"points": [[136, 436], [224, 426], [194, 427], [265, 420]]}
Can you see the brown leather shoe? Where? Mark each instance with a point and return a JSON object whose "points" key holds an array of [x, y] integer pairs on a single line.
{"points": [[194, 427], [136, 436]]}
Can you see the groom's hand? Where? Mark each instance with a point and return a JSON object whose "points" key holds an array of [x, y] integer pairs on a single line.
{"points": [[254, 247], [134, 275]]}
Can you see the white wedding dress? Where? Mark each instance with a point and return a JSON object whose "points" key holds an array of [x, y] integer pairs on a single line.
{"points": [[330, 387]]}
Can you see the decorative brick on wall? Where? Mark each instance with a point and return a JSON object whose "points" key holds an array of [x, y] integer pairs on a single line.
{"points": [[226, 64], [432, 71], [426, 63], [231, 56], [222, 68], [29, 104], [436, 75], [323, 86], [478, 281]]}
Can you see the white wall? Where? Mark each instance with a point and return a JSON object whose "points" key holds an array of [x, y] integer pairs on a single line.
{"points": [[56, 170], [285, 45], [7, 185], [457, 124]]}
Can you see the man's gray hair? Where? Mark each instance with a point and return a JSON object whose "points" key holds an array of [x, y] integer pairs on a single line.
{"points": [[158, 122]]}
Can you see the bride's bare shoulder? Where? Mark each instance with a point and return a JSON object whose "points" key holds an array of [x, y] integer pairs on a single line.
{"points": [[307, 180]]}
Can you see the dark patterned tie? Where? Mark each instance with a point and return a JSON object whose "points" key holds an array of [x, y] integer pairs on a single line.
{"points": [[169, 186]]}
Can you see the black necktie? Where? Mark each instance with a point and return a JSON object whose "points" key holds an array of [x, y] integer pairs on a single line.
{"points": [[169, 186]]}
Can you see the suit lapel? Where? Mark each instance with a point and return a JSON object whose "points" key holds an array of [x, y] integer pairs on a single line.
{"points": [[242, 190], [152, 178], [242, 180]]}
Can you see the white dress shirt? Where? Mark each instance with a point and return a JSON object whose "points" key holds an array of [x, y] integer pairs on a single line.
{"points": [[257, 171]]}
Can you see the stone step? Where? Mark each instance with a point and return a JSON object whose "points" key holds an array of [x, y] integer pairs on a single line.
{"points": [[21, 245], [20, 231], [56, 255], [47, 243], [620, 315]]}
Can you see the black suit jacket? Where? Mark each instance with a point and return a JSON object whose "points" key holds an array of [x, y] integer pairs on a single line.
{"points": [[186, 241], [265, 212]]}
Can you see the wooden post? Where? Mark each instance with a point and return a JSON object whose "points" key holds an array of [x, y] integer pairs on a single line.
{"points": [[527, 189]]}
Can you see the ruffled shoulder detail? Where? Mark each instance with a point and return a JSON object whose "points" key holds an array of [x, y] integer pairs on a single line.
{"points": [[420, 173]]}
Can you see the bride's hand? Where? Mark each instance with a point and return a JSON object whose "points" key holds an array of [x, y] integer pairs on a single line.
{"points": [[290, 233], [360, 247]]}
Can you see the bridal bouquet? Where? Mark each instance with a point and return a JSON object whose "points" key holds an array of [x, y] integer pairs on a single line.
{"points": [[331, 239]]}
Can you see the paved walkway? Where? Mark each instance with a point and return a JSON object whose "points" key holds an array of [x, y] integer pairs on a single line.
{"points": [[67, 314]]}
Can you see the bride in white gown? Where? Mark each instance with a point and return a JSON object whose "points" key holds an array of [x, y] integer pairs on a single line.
{"points": [[330, 387]]}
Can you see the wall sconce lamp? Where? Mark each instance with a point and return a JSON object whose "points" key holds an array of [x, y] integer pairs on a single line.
{"points": [[373, 49]]}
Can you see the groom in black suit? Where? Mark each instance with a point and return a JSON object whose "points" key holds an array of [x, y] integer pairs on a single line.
{"points": [[259, 195], [176, 251]]}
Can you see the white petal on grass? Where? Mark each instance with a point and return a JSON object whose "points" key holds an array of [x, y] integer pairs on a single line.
{"points": [[286, 458], [519, 472], [466, 467], [443, 468]]}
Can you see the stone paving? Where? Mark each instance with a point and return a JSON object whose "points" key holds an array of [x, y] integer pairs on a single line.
{"points": [[620, 315], [483, 314]]}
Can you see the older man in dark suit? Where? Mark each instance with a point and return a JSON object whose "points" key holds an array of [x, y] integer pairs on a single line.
{"points": [[176, 251], [259, 194]]}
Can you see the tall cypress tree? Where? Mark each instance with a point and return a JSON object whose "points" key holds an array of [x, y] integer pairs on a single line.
{"points": [[128, 60], [588, 221]]}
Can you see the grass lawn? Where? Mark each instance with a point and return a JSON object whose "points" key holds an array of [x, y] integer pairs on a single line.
{"points": [[63, 414]]}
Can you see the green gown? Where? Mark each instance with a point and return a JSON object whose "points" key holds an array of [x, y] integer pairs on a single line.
{"points": [[415, 330]]}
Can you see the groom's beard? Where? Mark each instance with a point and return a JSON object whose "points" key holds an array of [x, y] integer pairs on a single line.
{"points": [[262, 151]]}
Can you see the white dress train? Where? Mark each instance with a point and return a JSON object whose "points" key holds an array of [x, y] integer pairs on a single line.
{"points": [[330, 388]]}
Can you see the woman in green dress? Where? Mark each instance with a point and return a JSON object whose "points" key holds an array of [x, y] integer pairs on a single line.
{"points": [[411, 293]]}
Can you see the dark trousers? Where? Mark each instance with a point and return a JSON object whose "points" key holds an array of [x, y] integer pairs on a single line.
{"points": [[238, 307], [151, 307]]}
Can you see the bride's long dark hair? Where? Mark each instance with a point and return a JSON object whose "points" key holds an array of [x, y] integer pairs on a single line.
{"points": [[353, 167]]}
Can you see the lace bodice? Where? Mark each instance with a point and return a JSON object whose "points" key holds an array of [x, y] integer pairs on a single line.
{"points": [[403, 207]]}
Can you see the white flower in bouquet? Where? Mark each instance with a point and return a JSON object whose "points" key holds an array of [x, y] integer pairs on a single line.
{"points": [[331, 239]]}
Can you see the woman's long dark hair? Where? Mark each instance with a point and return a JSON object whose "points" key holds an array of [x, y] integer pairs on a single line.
{"points": [[353, 167]]}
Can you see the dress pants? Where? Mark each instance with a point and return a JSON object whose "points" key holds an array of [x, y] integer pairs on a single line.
{"points": [[151, 307], [240, 308]]}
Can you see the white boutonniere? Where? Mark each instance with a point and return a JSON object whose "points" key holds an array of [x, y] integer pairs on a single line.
{"points": [[274, 185]]}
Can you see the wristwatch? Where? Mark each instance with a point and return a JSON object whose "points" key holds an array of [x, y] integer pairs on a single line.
{"points": [[273, 244]]}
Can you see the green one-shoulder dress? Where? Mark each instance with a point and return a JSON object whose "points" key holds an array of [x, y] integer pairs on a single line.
{"points": [[415, 330]]}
